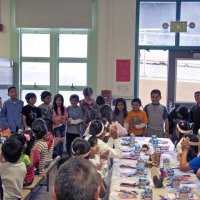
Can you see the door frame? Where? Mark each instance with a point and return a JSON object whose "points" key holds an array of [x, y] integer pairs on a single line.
{"points": [[171, 87]]}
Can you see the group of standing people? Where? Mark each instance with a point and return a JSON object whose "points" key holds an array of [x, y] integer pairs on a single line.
{"points": [[92, 130]]}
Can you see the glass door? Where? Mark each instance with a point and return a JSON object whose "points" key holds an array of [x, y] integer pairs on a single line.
{"points": [[183, 77], [153, 68]]}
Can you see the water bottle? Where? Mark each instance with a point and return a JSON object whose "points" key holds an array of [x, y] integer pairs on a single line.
{"points": [[148, 194], [154, 140], [142, 182], [132, 140], [137, 150], [170, 173]]}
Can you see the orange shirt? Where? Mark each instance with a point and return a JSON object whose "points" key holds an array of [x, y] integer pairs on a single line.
{"points": [[136, 118]]}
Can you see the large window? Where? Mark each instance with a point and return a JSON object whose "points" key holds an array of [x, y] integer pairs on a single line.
{"points": [[158, 44], [53, 60], [152, 16], [190, 13]]}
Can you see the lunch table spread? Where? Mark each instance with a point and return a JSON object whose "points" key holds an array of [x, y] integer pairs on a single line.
{"points": [[125, 180]]}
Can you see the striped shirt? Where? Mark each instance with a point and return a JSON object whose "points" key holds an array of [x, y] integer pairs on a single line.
{"points": [[43, 150], [50, 144]]}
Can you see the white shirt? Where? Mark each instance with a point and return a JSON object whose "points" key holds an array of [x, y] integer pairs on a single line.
{"points": [[12, 175]]}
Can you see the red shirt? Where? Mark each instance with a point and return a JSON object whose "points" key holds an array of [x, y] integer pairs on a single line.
{"points": [[30, 170]]}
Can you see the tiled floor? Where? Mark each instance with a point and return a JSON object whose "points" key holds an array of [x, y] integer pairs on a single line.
{"points": [[42, 194]]}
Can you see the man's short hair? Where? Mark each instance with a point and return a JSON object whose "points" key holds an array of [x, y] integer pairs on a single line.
{"points": [[12, 150], [76, 179]]}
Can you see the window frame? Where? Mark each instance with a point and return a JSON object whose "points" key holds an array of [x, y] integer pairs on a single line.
{"points": [[54, 60]]}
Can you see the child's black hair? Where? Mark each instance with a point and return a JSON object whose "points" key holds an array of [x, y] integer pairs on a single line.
{"points": [[12, 150], [30, 143], [137, 100], [185, 126], [87, 91], [62, 161], [156, 91], [30, 96], [197, 92], [55, 107], [106, 112], [95, 127], [39, 128], [19, 137], [10, 88], [45, 94], [183, 113], [79, 147], [116, 111], [92, 141], [100, 100], [74, 96], [193, 150]]}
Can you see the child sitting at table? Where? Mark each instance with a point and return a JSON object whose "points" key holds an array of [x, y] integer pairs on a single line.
{"points": [[12, 171], [81, 147], [182, 128], [40, 130], [189, 159], [34, 155], [94, 157], [97, 130]]}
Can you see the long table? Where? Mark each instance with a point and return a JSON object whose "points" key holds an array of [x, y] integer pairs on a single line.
{"points": [[120, 174]]}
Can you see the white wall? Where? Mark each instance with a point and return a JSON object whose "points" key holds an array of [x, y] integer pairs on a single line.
{"points": [[5, 35], [116, 40]]}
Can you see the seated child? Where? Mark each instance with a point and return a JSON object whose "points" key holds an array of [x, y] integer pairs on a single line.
{"points": [[34, 155], [97, 129], [12, 171], [40, 130], [94, 157], [182, 128], [24, 158], [81, 148], [189, 160], [45, 143]]}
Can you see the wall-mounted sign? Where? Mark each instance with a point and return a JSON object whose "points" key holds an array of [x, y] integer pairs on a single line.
{"points": [[178, 26], [123, 70]]}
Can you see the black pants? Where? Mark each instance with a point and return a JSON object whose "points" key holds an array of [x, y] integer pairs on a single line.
{"points": [[69, 139]]}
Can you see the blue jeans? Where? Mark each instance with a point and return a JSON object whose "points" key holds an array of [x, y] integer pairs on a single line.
{"points": [[58, 149]]}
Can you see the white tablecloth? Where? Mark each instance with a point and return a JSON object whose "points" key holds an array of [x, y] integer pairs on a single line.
{"points": [[119, 174]]}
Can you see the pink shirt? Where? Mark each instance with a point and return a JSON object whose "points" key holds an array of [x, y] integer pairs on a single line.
{"points": [[30, 170], [57, 117]]}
